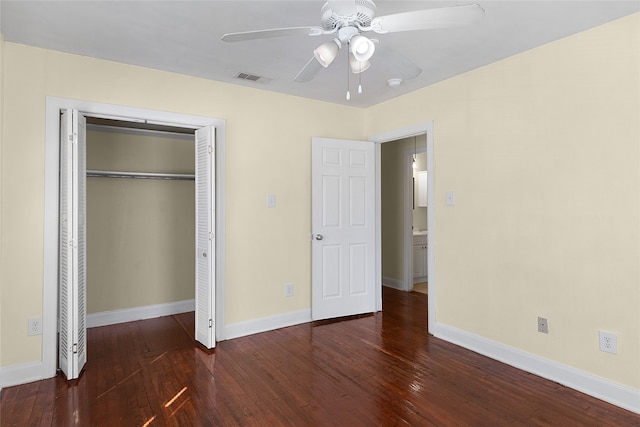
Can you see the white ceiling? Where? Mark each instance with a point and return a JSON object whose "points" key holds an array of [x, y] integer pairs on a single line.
{"points": [[184, 37]]}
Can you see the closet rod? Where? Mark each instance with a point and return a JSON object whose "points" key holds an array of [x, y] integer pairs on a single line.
{"points": [[140, 175]]}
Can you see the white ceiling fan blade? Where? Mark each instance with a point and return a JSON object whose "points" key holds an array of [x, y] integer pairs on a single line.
{"points": [[428, 19], [309, 71], [274, 32], [394, 64], [343, 7]]}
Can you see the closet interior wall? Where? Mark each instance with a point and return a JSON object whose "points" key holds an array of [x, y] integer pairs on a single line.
{"points": [[140, 232]]}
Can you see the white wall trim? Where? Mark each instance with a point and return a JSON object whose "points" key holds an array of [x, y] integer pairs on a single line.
{"points": [[394, 283], [600, 388], [265, 324], [113, 317], [21, 374]]}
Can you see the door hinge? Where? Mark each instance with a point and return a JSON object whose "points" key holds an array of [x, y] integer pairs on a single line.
{"points": [[210, 323], [73, 138], [72, 243], [74, 348], [211, 236], [210, 149]]}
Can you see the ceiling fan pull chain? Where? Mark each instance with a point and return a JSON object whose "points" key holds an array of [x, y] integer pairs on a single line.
{"points": [[348, 93]]}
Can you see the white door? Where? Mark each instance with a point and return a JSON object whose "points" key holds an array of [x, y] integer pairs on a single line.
{"points": [[343, 228], [205, 237], [72, 261]]}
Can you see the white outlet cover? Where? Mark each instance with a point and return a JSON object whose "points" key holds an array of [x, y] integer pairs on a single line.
{"points": [[34, 326], [288, 290], [608, 342]]}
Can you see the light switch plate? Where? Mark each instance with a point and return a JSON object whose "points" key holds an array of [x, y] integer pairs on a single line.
{"points": [[271, 200], [451, 198]]}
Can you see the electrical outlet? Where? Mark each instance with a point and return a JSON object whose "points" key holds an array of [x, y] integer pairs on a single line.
{"points": [[271, 200], [34, 326], [543, 325], [451, 198], [608, 342], [288, 290]]}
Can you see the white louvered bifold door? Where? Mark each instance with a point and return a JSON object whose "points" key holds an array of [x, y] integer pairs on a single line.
{"points": [[205, 237], [72, 268]]}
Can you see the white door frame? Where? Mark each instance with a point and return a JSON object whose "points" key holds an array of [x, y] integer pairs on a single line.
{"points": [[393, 135], [51, 208]]}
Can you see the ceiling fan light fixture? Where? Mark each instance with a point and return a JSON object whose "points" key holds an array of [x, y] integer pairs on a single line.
{"points": [[327, 52], [358, 66], [361, 47]]}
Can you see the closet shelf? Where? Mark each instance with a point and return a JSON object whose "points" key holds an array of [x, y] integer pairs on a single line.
{"points": [[140, 175]]}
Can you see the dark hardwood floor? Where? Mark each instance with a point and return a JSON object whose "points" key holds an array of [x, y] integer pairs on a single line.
{"points": [[375, 370]]}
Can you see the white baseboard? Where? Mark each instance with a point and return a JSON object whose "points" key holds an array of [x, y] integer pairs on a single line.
{"points": [[264, 324], [616, 394], [420, 279], [139, 313], [21, 374], [393, 283], [34, 371]]}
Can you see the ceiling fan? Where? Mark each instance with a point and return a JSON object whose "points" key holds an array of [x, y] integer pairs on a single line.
{"points": [[349, 19]]}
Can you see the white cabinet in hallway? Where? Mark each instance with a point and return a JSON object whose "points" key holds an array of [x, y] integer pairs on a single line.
{"points": [[419, 257]]}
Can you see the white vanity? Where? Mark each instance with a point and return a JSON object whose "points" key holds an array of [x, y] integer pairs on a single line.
{"points": [[419, 256]]}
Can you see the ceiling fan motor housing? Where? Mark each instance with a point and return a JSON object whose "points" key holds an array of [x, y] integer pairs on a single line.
{"points": [[364, 12]]}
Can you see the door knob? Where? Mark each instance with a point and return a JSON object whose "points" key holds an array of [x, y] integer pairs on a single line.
{"points": [[318, 236]]}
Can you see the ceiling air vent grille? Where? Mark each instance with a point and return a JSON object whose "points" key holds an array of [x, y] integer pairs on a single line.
{"points": [[252, 78]]}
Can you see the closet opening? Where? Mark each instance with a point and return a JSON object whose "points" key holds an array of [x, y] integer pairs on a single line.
{"points": [[140, 214], [136, 227], [66, 121]]}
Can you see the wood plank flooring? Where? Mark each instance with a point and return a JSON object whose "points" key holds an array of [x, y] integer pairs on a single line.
{"points": [[375, 370]]}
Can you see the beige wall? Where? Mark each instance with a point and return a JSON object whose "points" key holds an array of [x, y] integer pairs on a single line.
{"points": [[542, 150], [140, 232], [268, 151]]}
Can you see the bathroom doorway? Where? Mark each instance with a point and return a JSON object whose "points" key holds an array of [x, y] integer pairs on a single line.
{"points": [[399, 196], [404, 182]]}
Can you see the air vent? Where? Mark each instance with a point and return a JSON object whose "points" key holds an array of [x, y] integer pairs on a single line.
{"points": [[252, 78]]}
